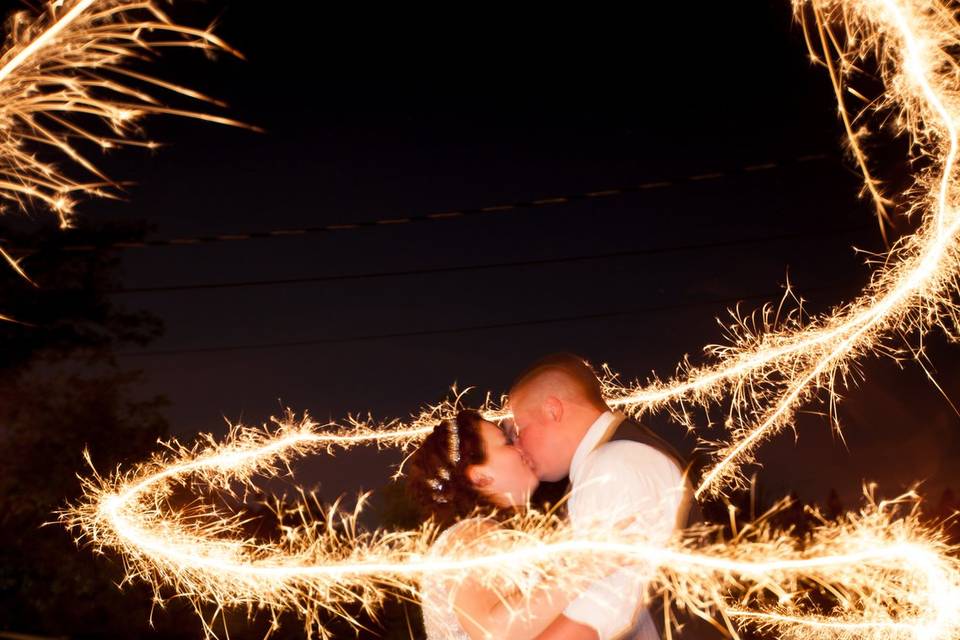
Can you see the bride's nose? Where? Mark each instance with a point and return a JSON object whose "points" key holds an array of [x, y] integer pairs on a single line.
{"points": [[511, 431], [523, 456]]}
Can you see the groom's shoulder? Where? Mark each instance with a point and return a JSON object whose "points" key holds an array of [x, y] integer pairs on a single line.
{"points": [[628, 455]]}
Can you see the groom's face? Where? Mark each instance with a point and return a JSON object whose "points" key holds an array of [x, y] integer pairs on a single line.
{"points": [[535, 436]]}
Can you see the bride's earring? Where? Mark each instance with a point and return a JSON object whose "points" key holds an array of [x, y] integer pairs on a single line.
{"points": [[478, 478]]}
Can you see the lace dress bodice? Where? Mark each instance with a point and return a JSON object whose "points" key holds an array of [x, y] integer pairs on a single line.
{"points": [[439, 617]]}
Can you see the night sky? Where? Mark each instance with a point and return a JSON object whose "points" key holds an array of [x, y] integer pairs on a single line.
{"points": [[373, 115]]}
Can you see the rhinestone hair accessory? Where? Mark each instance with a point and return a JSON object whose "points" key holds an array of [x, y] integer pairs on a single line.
{"points": [[438, 484], [454, 443], [441, 481]]}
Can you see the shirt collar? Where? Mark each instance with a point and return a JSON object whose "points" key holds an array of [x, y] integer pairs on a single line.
{"points": [[590, 440]]}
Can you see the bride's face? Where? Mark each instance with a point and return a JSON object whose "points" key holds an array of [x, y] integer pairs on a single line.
{"points": [[505, 477]]}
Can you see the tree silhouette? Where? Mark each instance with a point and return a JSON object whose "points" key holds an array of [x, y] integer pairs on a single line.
{"points": [[834, 507], [61, 390]]}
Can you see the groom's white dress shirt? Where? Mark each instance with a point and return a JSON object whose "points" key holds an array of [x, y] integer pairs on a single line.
{"points": [[611, 482]]}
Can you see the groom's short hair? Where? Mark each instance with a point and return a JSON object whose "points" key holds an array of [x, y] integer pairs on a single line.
{"points": [[573, 367]]}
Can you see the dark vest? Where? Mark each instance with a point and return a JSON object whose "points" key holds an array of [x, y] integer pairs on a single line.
{"points": [[635, 432]]}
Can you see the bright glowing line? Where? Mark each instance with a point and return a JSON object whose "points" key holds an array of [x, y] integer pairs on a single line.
{"points": [[44, 39]]}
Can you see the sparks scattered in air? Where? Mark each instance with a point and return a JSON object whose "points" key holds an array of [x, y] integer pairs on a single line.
{"points": [[68, 80], [886, 574]]}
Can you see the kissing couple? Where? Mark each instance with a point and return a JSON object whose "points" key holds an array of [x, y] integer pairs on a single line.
{"points": [[469, 469]]}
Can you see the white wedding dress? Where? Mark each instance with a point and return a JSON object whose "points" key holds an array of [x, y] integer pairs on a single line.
{"points": [[439, 617]]}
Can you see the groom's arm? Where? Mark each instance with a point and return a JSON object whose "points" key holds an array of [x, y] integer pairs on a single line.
{"points": [[563, 628]]}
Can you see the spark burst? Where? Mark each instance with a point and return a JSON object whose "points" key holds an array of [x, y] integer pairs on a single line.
{"points": [[66, 77], [889, 575]]}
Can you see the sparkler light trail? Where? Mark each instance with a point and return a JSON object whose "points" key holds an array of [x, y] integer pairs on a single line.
{"points": [[886, 570], [66, 78], [885, 574]]}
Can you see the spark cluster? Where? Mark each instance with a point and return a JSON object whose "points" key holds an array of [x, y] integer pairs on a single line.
{"points": [[884, 573], [69, 80]]}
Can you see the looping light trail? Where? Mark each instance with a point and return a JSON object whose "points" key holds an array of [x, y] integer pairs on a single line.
{"points": [[889, 570], [882, 573]]}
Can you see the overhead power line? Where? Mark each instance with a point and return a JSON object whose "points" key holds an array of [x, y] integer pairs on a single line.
{"points": [[649, 251], [453, 213], [465, 329]]}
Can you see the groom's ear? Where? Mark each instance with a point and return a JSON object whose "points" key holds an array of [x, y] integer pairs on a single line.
{"points": [[478, 477], [554, 408]]}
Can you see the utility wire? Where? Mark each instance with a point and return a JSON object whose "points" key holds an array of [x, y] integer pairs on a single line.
{"points": [[650, 251], [465, 329], [448, 215]]}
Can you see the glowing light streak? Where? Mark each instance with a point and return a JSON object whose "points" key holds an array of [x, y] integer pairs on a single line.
{"points": [[889, 567], [43, 39]]}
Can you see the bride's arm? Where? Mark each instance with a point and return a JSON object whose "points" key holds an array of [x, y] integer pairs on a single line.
{"points": [[563, 628], [485, 615]]}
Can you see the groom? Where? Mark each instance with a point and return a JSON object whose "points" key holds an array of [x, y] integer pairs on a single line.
{"points": [[618, 470]]}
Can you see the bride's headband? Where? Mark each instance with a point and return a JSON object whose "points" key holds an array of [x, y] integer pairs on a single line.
{"points": [[438, 484], [454, 445]]}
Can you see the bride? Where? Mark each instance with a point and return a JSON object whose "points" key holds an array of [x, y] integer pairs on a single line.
{"points": [[468, 467]]}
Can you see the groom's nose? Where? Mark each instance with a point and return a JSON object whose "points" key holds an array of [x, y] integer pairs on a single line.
{"points": [[527, 460], [519, 441]]}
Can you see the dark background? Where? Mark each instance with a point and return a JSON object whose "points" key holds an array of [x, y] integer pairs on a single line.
{"points": [[375, 115]]}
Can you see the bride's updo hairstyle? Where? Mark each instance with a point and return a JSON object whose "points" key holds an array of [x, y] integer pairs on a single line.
{"points": [[436, 473]]}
